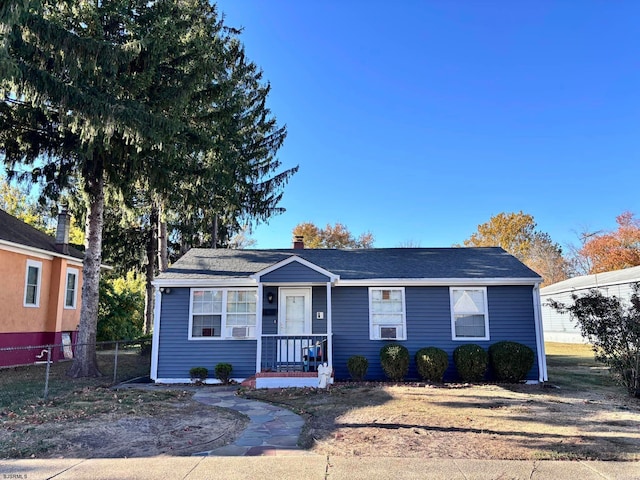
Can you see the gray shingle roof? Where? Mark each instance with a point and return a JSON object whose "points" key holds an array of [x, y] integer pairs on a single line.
{"points": [[373, 263], [16, 231], [615, 277]]}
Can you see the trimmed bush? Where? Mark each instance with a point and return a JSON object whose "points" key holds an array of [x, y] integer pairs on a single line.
{"points": [[471, 361], [432, 362], [395, 361], [358, 366], [511, 361], [223, 372], [198, 374]]}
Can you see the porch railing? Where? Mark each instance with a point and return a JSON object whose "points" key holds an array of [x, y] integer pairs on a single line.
{"points": [[293, 353]]}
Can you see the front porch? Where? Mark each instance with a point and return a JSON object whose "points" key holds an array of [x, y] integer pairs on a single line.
{"points": [[293, 353], [290, 360]]}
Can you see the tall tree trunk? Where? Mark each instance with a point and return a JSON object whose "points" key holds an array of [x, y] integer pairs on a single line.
{"points": [[152, 252], [163, 254], [85, 363], [214, 232]]}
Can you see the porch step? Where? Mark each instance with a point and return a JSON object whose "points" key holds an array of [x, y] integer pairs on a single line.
{"points": [[249, 382]]}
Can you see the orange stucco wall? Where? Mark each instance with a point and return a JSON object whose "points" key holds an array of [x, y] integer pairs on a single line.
{"points": [[50, 315]]}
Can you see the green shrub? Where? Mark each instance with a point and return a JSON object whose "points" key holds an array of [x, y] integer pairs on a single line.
{"points": [[223, 372], [432, 362], [511, 361], [358, 366], [395, 361], [198, 374], [471, 362]]}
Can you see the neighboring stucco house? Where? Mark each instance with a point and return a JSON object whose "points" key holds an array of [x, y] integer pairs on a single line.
{"points": [[274, 314], [42, 278], [559, 327]]}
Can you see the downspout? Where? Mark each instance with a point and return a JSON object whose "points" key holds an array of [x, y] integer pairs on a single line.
{"points": [[329, 327], [259, 328], [155, 341], [542, 358]]}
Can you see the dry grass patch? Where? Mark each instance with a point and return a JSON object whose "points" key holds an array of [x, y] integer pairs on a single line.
{"points": [[587, 417], [85, 418], [99, 422]]}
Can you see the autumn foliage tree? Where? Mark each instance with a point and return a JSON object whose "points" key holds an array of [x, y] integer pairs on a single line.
{"points": [[332, 236], [517, 234], [614, 250]]}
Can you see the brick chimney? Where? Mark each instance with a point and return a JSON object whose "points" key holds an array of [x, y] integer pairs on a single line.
{"points": [[298, 242], [62, 231]]}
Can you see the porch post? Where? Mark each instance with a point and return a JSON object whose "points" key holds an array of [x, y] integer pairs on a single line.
{"points": [[329, 327], [259, 329]]}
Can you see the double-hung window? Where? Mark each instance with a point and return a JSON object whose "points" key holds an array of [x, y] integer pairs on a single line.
{"points": [[222, 313], [32, 283], [387, 320], [469, 314], [71, 288]]}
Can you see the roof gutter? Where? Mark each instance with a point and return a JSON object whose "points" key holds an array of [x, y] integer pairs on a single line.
{"points": [[436, 282], [45, 254], [537, 318]]}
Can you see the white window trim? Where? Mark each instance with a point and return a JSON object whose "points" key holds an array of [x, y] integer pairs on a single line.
{"points": [[38, 265], [453, 316], [75, 272], [374, 333], [223, 315]]}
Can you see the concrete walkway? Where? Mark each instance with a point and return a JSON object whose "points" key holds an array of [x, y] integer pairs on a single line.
{"points": [[271, 431]]}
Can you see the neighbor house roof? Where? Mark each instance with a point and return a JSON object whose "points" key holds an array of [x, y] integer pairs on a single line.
{"points": [[615, 277], [356, 264], [16, 232]]}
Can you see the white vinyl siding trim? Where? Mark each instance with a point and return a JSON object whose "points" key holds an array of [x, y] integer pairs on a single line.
{"points": [[387, 314], [222, 314], [32, 283], [469, 313], [71, 289]]}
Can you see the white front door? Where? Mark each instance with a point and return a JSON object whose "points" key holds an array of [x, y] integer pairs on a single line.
{"points": [[294, 318]]}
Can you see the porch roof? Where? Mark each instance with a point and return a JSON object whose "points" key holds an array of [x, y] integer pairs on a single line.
{"points": [[356, 264]]}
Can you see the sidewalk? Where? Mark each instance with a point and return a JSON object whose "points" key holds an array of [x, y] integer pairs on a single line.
{"points": [[312, 467]]}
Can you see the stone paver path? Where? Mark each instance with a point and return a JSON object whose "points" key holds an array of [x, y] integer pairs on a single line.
{"points": [[272, 430]]}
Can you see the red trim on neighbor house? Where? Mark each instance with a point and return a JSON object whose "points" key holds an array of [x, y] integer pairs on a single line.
{"points": [[30, 339]]}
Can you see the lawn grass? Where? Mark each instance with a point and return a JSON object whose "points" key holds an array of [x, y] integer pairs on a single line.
{"points": [[31, 425], [587, 417], [573, 366], [24, 385]]}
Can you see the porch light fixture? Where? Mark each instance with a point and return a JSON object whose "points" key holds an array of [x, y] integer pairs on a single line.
{"points": [[270, 297], [166, 290]]}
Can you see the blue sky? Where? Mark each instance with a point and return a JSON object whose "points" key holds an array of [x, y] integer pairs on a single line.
{"points": [[419, 120]]}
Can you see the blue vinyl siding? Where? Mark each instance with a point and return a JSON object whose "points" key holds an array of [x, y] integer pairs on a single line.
{"points": [[270, 312], [428, 324], [294, 272], [319, 304], [177, 354]]}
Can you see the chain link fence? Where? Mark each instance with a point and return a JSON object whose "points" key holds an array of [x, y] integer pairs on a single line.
{"points": [[118, 361]]}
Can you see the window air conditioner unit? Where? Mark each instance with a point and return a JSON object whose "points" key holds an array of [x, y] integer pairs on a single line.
{"points": [[239, 332], [388, 332]]}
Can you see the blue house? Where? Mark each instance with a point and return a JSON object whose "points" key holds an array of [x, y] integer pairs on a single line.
{"points": [[276, 314]]}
